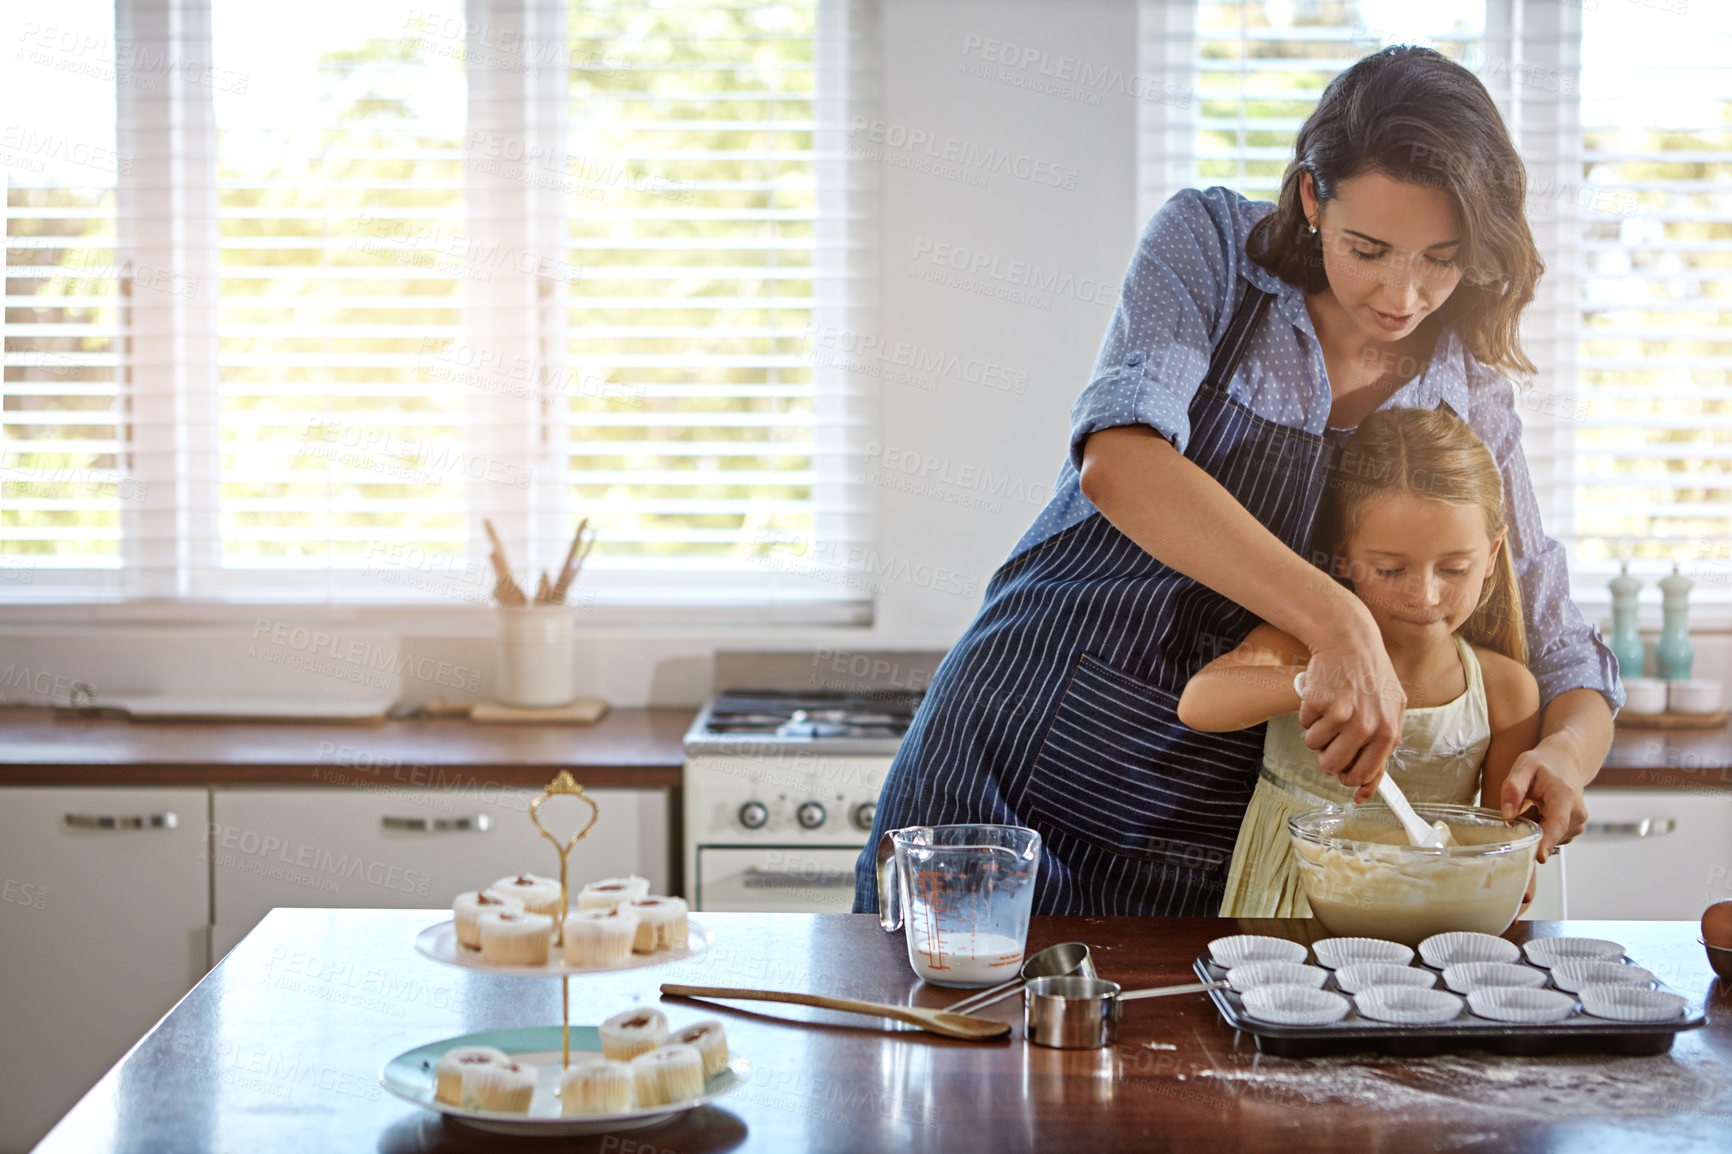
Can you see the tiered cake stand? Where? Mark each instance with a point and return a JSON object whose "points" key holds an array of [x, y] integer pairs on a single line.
{"points": [[546, 1049]]}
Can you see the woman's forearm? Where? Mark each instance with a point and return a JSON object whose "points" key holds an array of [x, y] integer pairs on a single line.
{"points": [[1580, 722], [1189, 522]]}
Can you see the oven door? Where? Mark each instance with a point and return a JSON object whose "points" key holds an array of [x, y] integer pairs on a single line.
{"points": [[775, 879]]}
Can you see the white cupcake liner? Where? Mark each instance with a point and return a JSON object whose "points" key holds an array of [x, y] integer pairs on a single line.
{"points": [[1333, 953], [1631, 1003], [1521, 1004], [1442, 950], [1548, 952], [1364, 975], [1296, 1005], [1407, 1005], [1466, 977], [1254, 974], [1243, 949], [1576, 976]]}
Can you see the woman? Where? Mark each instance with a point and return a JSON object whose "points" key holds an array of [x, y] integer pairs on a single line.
{"points": [[1248, 342]]}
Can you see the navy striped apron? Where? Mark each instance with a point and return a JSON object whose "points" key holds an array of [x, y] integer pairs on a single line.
{"points": [[1057, 709]]}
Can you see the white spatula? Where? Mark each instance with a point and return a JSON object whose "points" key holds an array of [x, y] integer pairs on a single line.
{"points": [[1418, 833]]}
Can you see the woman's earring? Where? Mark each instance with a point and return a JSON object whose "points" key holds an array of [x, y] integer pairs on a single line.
{"points": [[1313, 230]]}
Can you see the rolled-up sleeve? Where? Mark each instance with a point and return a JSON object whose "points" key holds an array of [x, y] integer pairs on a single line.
{"points": [[1157, 345], [1564, 651]]}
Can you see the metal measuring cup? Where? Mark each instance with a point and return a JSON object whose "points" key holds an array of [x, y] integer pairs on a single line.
{"points": [[1077, 1013], [1052, 962]]}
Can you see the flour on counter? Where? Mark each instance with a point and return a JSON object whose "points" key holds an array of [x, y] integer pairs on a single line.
{"points": [[1548, 1087]]}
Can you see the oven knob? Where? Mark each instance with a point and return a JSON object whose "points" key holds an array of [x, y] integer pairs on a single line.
{"points": [[810, 815], [754, 815], [863, 814]]}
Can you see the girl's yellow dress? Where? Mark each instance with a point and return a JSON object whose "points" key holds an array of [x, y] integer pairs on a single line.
{"points": [[1439, 758]]}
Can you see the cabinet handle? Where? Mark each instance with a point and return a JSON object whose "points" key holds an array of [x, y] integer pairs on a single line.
{"points": [[121, 821], [1647, 827], [480, 823], [757, 879]]}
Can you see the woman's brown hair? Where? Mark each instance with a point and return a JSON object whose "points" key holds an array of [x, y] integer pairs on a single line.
{"points": [[1417, 116], [1434, 455]]}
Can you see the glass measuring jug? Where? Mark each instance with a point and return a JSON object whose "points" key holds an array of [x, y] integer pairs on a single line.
{"points": [[965, 893]]}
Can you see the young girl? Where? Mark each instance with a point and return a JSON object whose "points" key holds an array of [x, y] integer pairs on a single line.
{"points": [[1414, 520]]}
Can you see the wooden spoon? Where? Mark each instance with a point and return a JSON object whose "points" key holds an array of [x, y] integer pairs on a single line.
{"points": [[969, 1029]]}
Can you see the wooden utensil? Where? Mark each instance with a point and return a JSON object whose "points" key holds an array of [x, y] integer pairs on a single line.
{"points": [[963, 1026], [573, 563], [505, 590], [567, 571]]}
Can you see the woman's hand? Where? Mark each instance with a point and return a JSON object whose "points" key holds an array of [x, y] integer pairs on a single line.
{"points": [[1352, 709]]}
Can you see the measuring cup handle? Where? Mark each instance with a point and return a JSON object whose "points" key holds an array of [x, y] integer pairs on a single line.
{"points": [[889, 908]]}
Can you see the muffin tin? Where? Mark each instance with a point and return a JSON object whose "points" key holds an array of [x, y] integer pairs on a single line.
{"points": [[1621, 1032]]}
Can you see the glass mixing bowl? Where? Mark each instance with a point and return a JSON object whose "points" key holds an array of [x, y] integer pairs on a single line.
{"points": [[1363, 879]]}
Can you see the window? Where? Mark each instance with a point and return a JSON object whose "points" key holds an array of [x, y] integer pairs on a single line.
{"points": [[1622, 115], [355, 283]]}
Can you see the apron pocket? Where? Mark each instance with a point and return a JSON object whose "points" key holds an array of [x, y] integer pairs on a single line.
{"points": [[1119, 770]]}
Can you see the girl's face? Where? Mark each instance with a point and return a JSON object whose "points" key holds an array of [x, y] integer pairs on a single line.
{"points": [[1389, 250], [1420, 566]]}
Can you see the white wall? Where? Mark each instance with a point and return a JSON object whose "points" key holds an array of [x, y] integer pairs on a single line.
{"points": [[1086, 231]]}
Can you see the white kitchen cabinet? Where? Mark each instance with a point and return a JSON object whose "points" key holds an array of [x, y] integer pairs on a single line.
{"points": [[411, 848], [104, 909], [1629, 866]]}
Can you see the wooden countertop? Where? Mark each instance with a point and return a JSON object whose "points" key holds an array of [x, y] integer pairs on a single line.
{"points": [[628, 747], [1699, 759], [278, 1049]]}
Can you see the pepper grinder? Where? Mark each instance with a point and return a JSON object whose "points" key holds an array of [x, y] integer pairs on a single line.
{"points": [[1674, 654], [1626, 641]]}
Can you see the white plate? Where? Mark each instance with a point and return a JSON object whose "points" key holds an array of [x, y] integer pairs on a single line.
{"points": [[439, 942], [411, 1077]]}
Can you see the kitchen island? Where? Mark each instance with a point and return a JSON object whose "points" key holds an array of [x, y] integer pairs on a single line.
{"points": [[279, 1047]]}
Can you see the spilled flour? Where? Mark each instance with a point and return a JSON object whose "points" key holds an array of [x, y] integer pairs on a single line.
{"points": [[1492, 1087]]}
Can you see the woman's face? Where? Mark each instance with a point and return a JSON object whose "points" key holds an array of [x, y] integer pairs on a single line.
{"points": [[1389, 249], [1420, 566]]}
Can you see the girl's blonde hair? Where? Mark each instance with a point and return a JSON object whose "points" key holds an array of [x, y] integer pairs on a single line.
{"points": [[1431, 454]]}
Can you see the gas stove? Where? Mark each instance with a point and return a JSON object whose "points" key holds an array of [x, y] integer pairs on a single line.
{"points": [[782, 772], [776, 720]]}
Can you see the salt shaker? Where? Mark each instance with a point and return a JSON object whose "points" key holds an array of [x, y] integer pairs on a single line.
{"points": [[1674, 654], [1626, 644]]}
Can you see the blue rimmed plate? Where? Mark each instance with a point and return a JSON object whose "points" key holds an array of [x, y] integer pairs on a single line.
{"points": [[410, 1076]]}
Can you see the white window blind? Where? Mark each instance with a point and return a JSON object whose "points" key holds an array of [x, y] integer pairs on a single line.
{"points": [[66, 475], [1653, 482], [341, 218], [1621, 114], [517, 260]]}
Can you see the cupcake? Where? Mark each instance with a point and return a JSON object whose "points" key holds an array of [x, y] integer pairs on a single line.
{"points": [[632, 1032], [467, 910], [668, 1075], [709, 1040], [661, 923], [599, 937], [539, 895], [456, 1065], [509, 939], [503, 1086], [607, 893], [595, 1088]]}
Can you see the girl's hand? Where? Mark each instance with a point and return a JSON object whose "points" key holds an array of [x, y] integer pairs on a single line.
{"points": [[1352, 710], [1546, 779]]}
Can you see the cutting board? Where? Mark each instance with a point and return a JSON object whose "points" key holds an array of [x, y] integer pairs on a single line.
{"points": [[583, 711]]}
